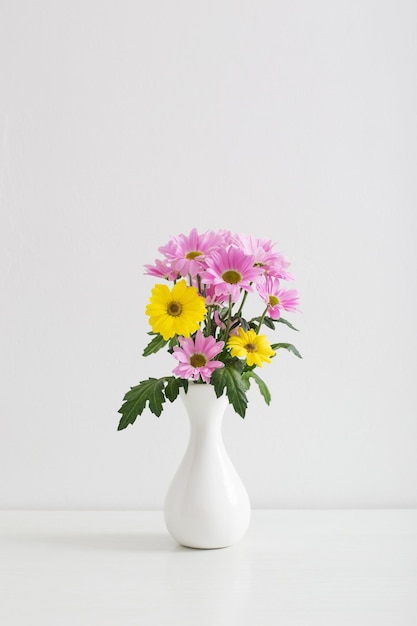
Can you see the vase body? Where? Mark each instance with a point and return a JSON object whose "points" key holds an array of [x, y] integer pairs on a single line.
{"points": [[207, 505]]}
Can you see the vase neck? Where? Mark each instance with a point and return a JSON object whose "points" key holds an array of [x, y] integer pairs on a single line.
{"points": [[205, 410]]}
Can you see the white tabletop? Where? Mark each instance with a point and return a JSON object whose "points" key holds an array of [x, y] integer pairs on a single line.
{"points": [[293, 568]]}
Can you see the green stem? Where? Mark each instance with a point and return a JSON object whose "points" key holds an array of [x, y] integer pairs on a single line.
{"points": [[229, 319], [261, 320], [245, 295], [208, 322]]}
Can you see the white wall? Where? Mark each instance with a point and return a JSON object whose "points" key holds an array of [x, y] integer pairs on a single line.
{"points": [[123, 123]]}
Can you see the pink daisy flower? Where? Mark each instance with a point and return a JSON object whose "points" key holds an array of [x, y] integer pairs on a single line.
{"points": [[212, 298], [277, 298], [161, 269], [272, 261], [278, 267], [187, 253], [195, 357], [230, 271]]}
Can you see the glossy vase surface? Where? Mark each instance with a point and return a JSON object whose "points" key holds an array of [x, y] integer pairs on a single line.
{"points": [[207, 505]]}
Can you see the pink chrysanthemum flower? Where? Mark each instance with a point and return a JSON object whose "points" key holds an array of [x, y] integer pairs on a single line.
{"points": [[161, 269], [278, 267], [187, 253], [212, 298], [271, 261], [277, 298], [230, 271], [195, 357]]}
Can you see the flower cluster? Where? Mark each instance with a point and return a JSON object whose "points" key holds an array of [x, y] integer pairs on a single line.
{"points": [[200, 319]]}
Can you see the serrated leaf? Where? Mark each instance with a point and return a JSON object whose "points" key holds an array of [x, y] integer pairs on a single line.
{"points": [[228, 378], [261, 384], [147, 392], [234, 362], [155, 345], [287, 323], [286, 346], [173, 387]]}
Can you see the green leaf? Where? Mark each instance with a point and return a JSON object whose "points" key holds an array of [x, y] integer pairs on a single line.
{"points": [[155, 345], [287, 323], [286, 346], [173, 387], [223, 312], [229, 378], [245, 324], [268, 321], [148, 391], [172, 343], [261, 384]]}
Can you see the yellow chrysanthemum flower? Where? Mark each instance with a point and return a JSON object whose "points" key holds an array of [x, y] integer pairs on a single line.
{"points": [[176, 311], [255, 348]]}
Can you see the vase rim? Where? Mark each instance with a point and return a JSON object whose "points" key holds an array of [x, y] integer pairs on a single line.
{"points": [[197, 387], [194, 385]]}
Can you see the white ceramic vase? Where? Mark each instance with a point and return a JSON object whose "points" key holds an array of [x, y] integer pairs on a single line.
{"points": [[207, 505]]}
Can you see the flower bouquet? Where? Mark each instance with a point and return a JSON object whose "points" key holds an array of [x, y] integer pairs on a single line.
{"points": [[202, 321]]}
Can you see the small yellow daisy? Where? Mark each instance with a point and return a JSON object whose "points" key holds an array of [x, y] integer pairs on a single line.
{"points": [[176, 311], [255, 348]]}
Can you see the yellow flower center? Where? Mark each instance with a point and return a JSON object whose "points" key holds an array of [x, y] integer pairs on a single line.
{"points": [[273, 300], [250, 347], [193, 254], [232, 277], [198, 360], [174, 308]]}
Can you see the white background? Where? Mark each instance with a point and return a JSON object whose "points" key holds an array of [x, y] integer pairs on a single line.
{"points": [[123, 123]]}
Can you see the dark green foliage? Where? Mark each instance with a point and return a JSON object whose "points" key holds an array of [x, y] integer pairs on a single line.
{"points": [[155, 345], [286, 346], [230, 379], [152, 392]]}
